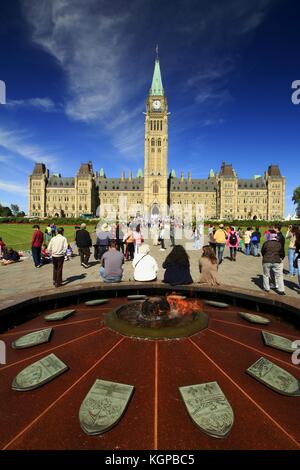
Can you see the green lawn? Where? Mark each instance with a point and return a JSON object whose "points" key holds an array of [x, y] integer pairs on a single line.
{"points": [[18, 236]]}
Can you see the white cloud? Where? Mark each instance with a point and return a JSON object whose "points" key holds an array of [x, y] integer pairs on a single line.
{"points": [[12, 187], [43, 104], [16, 142]]}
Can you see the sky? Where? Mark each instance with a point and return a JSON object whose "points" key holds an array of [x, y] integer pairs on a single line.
{"points": [[78, 72]]}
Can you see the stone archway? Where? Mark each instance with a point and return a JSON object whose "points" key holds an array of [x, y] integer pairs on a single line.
{"points": [[155, 209]]}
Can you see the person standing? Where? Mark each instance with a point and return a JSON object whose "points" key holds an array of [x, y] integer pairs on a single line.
{"points": [[255, 241], [138, 239], [291, 236], [36, 245], [83, 242], [220, 238], [233, 242], [161, 238], [273, 255], [247, 240], [172, 233], [57, 248], [297, 257], [128, 239]]}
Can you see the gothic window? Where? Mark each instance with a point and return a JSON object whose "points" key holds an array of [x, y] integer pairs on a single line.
{"points": [[157, 124], [152, 141], [159, 142], [155, 188], [154, 125]]}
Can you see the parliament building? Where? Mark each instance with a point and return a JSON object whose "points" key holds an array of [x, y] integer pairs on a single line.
{"points": [[156, 190]]}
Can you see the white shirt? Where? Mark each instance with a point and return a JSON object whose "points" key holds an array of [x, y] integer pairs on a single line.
{"points": [[58, 246], [145, 268]]}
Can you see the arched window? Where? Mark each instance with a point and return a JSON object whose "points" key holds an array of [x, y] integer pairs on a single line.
{"points": [[157, 125], [155, 188], [159, 142], [151, 125], [161, 125], [152, 141], [154, 125]]}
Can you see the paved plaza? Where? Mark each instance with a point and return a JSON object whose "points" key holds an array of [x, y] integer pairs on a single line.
{"points": [[23, 277]]}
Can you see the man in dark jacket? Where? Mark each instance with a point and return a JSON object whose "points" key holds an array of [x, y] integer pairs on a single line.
{"points": [[273, 255], [83, 242]]}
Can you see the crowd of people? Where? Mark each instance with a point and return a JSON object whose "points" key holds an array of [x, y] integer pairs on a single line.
{"points": [[114, 245]]}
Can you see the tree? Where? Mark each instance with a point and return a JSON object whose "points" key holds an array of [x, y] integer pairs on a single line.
{"points": [[15, 209], [296, 200], [5, 211], [21, 214]]}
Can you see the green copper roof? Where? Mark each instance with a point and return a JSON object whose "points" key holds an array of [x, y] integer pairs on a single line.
{"points": [[139, 173], [157, 86], [173, 173], [211, 173], [102, 173]]}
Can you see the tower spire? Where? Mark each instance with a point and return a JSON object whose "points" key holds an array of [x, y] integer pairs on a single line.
{"points": [[157, 88]]}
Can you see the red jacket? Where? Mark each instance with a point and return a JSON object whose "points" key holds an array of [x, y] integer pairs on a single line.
{"points": [[37, 238]]}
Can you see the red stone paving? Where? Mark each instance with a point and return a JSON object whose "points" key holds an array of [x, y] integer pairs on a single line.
{"points": [[156, 418]]}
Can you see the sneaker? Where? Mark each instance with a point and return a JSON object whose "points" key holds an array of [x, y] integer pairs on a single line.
{"points": [[281, 292], [162, 249], [266, 290], [85, 265]]}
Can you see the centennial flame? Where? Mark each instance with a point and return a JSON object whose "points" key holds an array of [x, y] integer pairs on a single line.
{"points": [[180, 306]]}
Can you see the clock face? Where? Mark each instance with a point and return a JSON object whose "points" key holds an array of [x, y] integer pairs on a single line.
{"points": [[156, 105]]}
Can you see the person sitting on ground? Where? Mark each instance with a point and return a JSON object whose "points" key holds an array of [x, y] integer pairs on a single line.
{"points": [[145, 266], [69, 253], [177, 266], [10, 256], [45, 255], [208, 267], [232, 242], [2, 246], [111, 269]]}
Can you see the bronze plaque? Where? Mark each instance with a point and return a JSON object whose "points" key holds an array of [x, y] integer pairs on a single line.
{"points": [[274, 377], [96, 302], [32, 339], [39, 373], [278, 342], [252, 318], [59, 315], [216, 304], [104, 406], [137, 297], [209, 408]]}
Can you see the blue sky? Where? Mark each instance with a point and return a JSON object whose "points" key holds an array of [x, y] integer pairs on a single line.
{"points": [[78, 72]]}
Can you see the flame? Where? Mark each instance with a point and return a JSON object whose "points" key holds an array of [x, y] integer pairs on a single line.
{"points": [[181, 306]]}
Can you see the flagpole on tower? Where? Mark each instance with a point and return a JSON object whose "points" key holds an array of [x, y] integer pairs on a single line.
{"points": [[156, 51]]}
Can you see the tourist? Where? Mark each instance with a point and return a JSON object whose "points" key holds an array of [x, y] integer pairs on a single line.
{"points": [[104, 237], [36, 245], [273, 255], [211, 237], [280, 236], [255, 241], [57, 248], [220, 238], [119, 238], [111, 269], [2, 246], [129, 241], [9, 256], [138, 239], [208, 266], [161, 237], [53, 230], [177, 266], [94, 238], [48, 233], [233, 242], [145, 266], [69, 253], [172, 233], [247, 240], [291, 236], [240, 233], [45, 255], [83, 242], [155, 234], [297, 257]]}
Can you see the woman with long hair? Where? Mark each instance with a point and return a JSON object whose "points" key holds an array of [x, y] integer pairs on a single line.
{"points": [[208, 267], [177, 266]]}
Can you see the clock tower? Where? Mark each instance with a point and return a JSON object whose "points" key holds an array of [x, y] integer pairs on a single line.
{"points": [[156, 147]]}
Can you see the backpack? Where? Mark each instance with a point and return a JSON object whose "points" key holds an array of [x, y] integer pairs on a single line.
{"points": [[254, 238], [232, 239]]}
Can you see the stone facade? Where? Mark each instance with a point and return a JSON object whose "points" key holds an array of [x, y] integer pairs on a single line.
{"points": [[156, 191]]}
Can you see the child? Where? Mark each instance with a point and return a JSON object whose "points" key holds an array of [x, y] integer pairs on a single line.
{"points": [[45, 255], [69, 253]]}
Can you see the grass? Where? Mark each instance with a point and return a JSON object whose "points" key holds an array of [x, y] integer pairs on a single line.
{"points": [[18, 236]]}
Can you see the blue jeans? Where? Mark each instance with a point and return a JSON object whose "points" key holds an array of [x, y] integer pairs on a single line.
{"points": [[256, 249], [220, 251], [247, 248], [291, 256], [108, 278]]}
